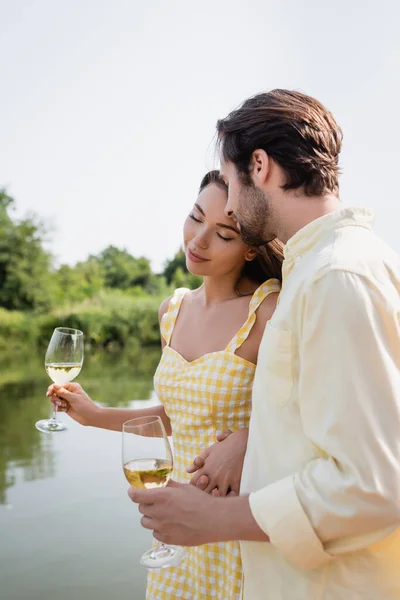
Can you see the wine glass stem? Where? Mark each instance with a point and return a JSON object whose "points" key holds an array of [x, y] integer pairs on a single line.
{"points": [[54, 416], [159, 546]]}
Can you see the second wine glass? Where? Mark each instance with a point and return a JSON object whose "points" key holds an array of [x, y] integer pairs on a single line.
{"points": [[147, 463]]}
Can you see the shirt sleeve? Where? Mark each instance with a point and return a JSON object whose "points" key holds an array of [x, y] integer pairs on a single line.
{"points": [[349, 401]]}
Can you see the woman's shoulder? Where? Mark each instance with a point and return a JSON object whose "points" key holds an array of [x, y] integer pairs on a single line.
{"points": [[267, 307], [162, 309], [265, 299], [172, 299]]}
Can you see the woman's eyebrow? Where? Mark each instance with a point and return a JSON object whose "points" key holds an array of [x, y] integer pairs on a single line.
{"points": [[200, 209], [217, 224], [228, 227]]}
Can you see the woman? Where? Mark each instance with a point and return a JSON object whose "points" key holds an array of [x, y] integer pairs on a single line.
{"points": [[210, 340]]}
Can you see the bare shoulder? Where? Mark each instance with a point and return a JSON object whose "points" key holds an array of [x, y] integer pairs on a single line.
{"points": [[267, 308], [249, 348], [162, 309]]}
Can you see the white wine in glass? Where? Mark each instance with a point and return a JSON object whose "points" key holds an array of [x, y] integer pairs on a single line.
{"points": [[63, 362], [147, 463]]}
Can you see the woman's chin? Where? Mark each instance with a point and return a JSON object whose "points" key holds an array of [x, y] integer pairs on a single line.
{"points": [[195, 269]]}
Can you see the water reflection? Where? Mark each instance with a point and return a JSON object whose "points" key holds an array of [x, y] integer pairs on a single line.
{"points": [[113, 380]]}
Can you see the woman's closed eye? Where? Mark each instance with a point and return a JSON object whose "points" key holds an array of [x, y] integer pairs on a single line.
{"points": [[226, 239], [194, 218]]}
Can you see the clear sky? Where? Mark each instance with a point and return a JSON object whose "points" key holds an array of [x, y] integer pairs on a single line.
{"points": [[108, 107]]}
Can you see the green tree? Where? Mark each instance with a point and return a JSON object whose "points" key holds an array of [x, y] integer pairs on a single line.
{"points": [[171, 266], [177, 274], [26, 282], [122, 270], [84, 280]]}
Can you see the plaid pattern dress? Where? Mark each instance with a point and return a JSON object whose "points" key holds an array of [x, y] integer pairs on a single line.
{"points": [[201, 397]]}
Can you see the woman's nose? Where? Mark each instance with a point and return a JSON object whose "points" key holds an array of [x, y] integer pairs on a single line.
{"points": [[201, 240]]}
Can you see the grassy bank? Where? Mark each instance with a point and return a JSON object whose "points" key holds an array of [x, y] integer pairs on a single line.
{"points": [[112, 321]]}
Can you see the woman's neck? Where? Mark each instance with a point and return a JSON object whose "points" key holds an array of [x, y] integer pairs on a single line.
{"points": [[216, 290]]}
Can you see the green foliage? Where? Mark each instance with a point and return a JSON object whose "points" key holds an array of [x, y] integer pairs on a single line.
{"points": [[171, 266], [112, 297], [177, 274], [74, 284], [122, 270], [26, 282], [187, 280], [18, 331], [112, 320]]}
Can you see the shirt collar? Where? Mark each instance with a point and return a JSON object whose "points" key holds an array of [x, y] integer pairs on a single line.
{"points": [[308, 236]]}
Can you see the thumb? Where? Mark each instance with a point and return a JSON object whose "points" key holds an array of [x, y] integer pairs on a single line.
{"points": [[176, 484], [65, 391], [222, 435]]}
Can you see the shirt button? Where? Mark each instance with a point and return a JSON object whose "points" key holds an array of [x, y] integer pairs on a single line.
{"points": [[298, 259]]}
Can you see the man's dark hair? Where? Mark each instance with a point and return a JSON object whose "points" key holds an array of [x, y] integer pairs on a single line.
{"points": [[295, 130]]}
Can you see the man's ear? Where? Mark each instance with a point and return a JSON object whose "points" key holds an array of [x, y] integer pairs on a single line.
{"points": [[260, 167]]}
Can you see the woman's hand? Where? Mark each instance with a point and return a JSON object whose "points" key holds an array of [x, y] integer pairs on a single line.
{"points": [[72, 399], [218, 470]]}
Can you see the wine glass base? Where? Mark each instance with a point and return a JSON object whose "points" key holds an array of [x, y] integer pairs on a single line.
{"points": [[162, 557], [50, 426]]}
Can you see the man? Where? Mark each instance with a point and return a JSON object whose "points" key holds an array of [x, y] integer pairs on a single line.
{"points": [[319, 510]]}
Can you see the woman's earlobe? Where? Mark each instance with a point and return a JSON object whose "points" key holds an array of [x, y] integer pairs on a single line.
{"points": [[250, 255]]}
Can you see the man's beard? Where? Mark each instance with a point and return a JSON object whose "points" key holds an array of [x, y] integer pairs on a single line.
{"points": [[253, 216]]}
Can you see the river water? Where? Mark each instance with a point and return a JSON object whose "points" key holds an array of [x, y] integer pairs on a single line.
{"points": [[67, 527]]}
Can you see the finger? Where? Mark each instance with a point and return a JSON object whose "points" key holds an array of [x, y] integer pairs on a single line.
{"points": [[215, 492], [147, 510], [59, 402], [54, 388], [195, 478], [192, 468], [72, 386], [231, 493], [203, 482], [147, 523], [142, 496], [160, 537], [62, 406], [66, 390], [223, 487], [222, 435], [59, 392], [151, 496], [235, 487], [212, 484], [198, 463]]}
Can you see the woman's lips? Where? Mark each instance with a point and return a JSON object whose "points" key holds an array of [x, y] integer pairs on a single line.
{"points": [[195, 257]]}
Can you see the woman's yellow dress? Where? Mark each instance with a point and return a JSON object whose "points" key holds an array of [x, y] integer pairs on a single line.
{"points": [[202, 397]]}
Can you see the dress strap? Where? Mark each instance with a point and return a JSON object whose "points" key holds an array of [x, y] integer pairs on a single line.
{"points": [[169, 318], [266, 288]]}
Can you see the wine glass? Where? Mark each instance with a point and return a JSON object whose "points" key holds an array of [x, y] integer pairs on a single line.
{"points": [[63, 362], [147, 463]]}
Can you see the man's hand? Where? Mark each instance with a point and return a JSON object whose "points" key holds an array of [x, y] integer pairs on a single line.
{"points": [[183, 515], [218, 470]]}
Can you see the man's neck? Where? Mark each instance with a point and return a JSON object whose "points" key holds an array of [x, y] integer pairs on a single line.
{"points": [[298, 211]]}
